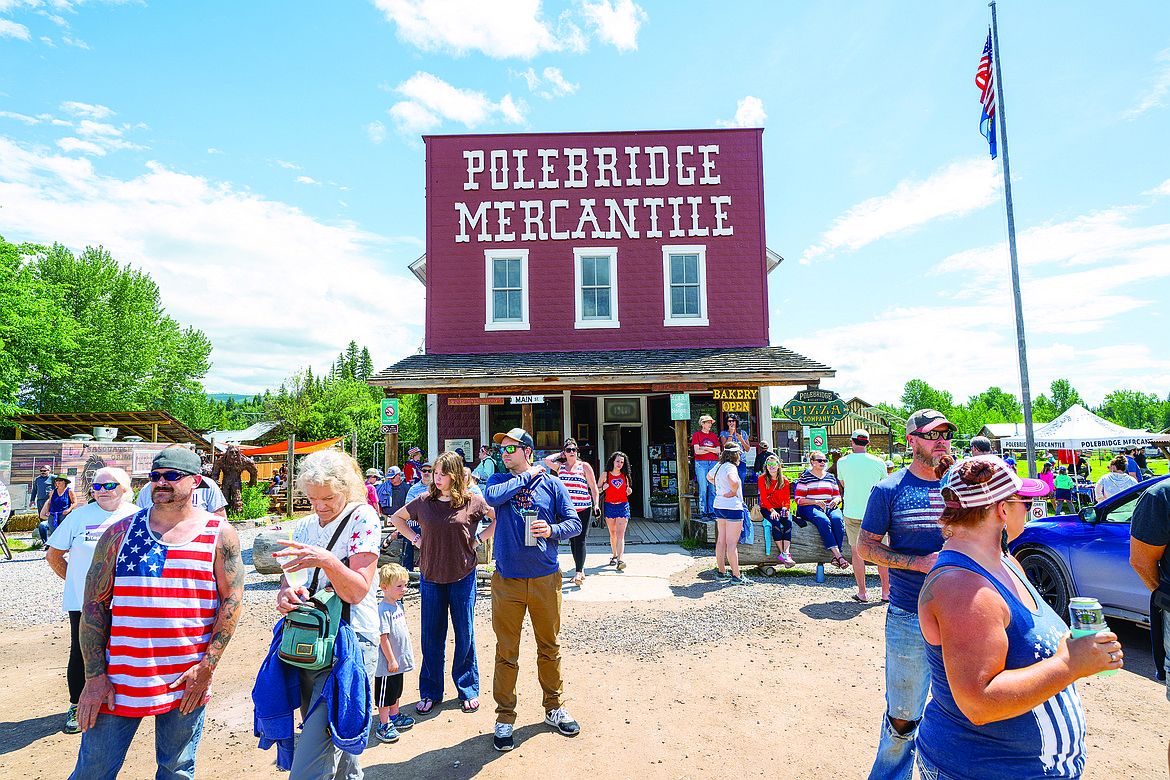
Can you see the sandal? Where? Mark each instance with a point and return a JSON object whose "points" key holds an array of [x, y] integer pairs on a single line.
{"points": [[578, 578], [424, 706], [840, 562], [612, 561], [471, 705], [858, 598]]}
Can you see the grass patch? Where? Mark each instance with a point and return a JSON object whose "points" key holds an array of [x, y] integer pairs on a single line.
{"points": [[19, 545], [689, 544]]}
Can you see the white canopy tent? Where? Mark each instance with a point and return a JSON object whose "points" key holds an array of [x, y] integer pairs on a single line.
{"points": [[1080, 429]]}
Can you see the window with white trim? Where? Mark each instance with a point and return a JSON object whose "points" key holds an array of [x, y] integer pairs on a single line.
{"points": [[684, 275], [595, 283], [507, 289]]}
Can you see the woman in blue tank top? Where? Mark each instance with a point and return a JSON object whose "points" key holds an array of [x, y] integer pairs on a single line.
{"points": [[1002, 666]]}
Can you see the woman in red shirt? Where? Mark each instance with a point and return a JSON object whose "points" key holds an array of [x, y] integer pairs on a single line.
{"points": [[615, 490], [775, 499]]}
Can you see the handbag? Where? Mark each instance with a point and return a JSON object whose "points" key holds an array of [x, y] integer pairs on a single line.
{"points": [[310, 629]]}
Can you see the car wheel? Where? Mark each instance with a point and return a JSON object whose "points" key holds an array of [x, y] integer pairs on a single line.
{"points": [[1048, 578]]}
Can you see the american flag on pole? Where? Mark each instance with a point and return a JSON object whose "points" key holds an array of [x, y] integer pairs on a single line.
{"points": [[986, 83]]}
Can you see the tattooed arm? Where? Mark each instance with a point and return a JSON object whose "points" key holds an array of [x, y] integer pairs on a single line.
{"points": [[94, 631], [871, 548], [229, 580]]}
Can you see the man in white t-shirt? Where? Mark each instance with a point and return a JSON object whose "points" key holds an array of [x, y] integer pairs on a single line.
{"points": [[858, 472]]}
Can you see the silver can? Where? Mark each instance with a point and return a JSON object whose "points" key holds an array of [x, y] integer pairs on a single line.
{"points": [[530, 517], [1085, 614]]}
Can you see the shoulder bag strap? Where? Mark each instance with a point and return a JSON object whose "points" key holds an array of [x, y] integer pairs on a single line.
{"points": [[333, 541]]}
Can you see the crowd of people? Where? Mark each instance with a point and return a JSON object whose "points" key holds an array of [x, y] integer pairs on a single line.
{"points": [[978, 666]]}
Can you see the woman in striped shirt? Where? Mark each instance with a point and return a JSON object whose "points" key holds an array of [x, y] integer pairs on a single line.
{"points": [[818, 501], [581, 483]]}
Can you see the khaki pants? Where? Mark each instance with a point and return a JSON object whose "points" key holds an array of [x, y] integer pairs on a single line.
{"points": [[541, 598]]}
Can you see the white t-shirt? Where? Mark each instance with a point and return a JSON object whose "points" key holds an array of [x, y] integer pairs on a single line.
{"points": [[723, 472], [209, 498], [363, 533], [1113, 483], [78, 534]]}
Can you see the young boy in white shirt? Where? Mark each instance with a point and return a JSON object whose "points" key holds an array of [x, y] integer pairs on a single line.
{"points": [[395, 657]]}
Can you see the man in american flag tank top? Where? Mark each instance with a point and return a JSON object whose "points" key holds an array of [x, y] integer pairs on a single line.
{"points": [[161, 602]]}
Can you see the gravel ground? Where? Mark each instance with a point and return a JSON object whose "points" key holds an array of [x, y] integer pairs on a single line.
{"points": [[41, 590]]}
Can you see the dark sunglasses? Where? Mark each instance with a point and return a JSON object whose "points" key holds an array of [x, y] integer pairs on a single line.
{"points": [[105, 486], [426, 471], [169, 476], [819, 460], [934, 435], [570, 449], [511, 448]]}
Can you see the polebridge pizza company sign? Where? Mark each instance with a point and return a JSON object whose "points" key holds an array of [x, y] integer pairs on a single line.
{"points": [[818, 408]]}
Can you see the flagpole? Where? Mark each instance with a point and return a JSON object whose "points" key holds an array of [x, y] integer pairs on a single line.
{"points": [[1011, 226]]}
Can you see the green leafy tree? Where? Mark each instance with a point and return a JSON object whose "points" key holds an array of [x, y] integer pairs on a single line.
{"points": [[127, 353], [36, 333], [993, 399], [1133, 409], [1064, 395], [917, 394]]}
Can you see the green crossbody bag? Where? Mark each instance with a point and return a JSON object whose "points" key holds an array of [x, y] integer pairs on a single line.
{"points": [[309, 631]]}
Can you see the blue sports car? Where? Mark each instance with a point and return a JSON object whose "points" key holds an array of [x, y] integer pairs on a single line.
{"points": [[1087, 555]]}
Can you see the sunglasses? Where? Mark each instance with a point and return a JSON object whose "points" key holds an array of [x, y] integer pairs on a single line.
{"points": [[426, 471], [934, 435], [169, 476], [820, 460], [511, 448], [105, 486], [570, 449]]}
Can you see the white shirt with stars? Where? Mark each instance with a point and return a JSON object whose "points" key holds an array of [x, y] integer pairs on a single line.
{"points": [[363, 533]]}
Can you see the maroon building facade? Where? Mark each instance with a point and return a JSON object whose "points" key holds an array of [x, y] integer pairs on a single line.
{"points": [[575, 281]]}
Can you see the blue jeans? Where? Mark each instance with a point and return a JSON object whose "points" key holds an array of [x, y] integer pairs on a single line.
{"points": [[929, 771], [408, 550], [176, 737], [438, 600], [831, 524], [907, 685], [706, 489], [45, 528]]}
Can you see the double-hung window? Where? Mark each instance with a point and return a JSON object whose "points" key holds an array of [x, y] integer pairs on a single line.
{"points": [[507, 290], [595, 278], [684, 273]]}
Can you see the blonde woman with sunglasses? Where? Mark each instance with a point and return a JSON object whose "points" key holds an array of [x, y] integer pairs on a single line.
{"points": [[70, 551]]}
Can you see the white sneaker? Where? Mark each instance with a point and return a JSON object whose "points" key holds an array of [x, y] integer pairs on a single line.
{"points": [[560, 720]]}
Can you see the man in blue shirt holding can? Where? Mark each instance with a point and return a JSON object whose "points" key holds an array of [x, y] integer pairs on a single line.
{"points": [[533, 512]]}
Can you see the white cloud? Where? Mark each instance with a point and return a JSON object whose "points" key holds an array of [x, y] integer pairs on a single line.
{"points": [[305, 180], [48, 41], [1088, 275], [245, 270], [284, 164], [500, 29], [1161, 189], [1159, 90], [78, 145], [376, 131], [85, 109], [958, 189], [617, 23], [10, 29], [749, 112], [557, 84], [75, 42], [214, 151], [28, 120], [430, 101]]}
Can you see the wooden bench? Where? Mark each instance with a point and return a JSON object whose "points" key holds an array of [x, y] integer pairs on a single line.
{"points": [[278, 502], [807, 547]]}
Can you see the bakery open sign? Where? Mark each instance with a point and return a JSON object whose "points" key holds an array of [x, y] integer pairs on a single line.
{"points": [[735, 399]]}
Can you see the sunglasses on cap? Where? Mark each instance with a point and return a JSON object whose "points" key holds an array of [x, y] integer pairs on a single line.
{"points": [[169, 476], [105, 486], [934, 435]]}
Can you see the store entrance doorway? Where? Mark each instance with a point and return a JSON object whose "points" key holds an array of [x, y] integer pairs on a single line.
{"points": [[628, 439]]}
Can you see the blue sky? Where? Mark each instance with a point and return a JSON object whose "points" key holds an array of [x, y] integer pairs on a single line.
{"points": [[263, 162]]}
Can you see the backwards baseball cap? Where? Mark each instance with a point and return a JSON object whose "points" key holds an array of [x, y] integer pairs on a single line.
{"points": [[927, 420], [519, 434], [860, 433], [985, 480], [179, 459]]}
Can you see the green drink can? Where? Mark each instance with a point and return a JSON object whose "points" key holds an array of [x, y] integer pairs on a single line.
{"points": [[1086, 617]]}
